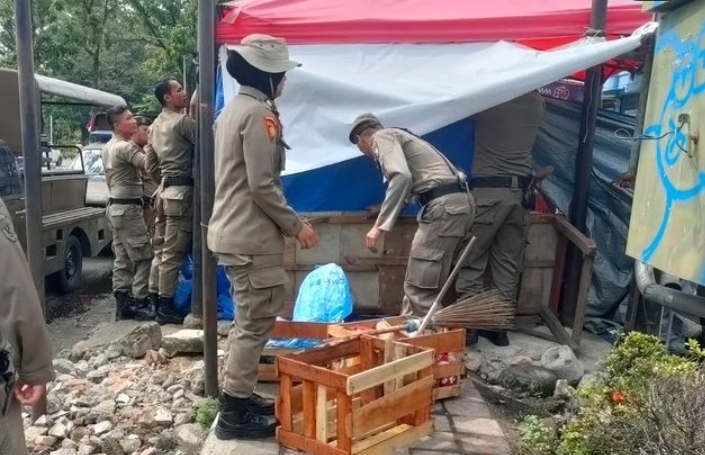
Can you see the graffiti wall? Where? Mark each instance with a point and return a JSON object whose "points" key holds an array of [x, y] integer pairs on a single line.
{"points": [[668, 213]]}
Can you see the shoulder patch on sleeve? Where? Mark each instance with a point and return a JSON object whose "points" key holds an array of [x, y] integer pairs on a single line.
{"points": [[6, 226], [272, 126]]}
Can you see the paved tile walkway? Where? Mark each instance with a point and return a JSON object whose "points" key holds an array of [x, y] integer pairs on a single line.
{"points": [[462, 425]]}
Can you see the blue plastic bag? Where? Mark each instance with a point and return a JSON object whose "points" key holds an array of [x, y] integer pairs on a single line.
{"points": [[324, 296], [184, 289]]}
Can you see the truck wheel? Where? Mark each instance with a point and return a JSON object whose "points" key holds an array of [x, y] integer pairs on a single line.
{"points": [[69, 279]]}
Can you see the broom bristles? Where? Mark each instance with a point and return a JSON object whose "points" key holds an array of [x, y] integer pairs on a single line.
{"points": [[487, 310]]}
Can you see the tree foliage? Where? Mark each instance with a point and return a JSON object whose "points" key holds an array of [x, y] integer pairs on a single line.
{"points": [[119, 46]]}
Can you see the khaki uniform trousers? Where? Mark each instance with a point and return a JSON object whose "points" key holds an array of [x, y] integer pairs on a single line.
{"points": [[157, 242], [258, 286], [501, 226], [132, 249], [12, 426], [175, 208], [444, 225]]}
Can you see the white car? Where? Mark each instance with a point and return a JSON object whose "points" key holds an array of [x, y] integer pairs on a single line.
{"points": [[97, 193]]}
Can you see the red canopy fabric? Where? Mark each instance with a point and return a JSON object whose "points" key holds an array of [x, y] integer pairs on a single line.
{"points": [[541, 24]]}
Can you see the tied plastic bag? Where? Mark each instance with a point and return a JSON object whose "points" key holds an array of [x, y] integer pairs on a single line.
{"points": [[225, 301], [324, 296]]}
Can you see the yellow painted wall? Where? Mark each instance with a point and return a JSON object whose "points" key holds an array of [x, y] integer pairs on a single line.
{"points": [[667, 228]]}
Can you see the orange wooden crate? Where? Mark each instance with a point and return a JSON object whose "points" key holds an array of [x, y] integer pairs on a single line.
{"points": [[449, 376], [373, 407], [287, 329]]}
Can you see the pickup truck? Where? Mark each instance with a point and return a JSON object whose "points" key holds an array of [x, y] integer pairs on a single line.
{"points": [[71, 230]]}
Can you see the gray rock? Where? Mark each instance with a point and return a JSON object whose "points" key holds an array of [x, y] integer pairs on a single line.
{"points": [[47, 441], [64, 366], [564, 364], [224, 328], [191, 436], [183, 418], [131, 444], [588, 379], [31, 433], [163, 417], [43, 421], [473, 361], [196, 376], [82, 368], [102, 427], [192, 322], [123, 398], [69, 444], [142, 338], [98, 361], [97, 376], [187, 341], [59, 431], [563, 391], [87, 449], [529, 380], [105, 408], [112, 354], [150, 451], [78, 433], [519, 360], [490, 371], [111, 446], [64, 451]]}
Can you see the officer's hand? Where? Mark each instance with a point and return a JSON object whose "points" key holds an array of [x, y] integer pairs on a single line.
{"points": [[372, 238], [28, 395], [307, 237]]}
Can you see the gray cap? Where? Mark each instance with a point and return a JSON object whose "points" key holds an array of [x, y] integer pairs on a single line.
{"points": [[266, 53], [361, 123]]}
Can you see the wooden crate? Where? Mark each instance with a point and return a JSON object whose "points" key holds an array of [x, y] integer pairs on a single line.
{"points": [[373, 407], [448, 373], [287, 329]]}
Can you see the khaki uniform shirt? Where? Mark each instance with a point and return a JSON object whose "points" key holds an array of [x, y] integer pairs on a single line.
{"points": [[411, 166], [21, 319], [170, 148], [123, 161], [149, 185], [505, 135], [250, 213]]}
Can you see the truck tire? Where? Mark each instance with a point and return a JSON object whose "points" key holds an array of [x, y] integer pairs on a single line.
{"points": [[69, 279]]}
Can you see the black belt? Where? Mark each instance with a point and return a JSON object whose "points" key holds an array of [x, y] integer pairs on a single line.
{"points": [[500, 181], [177, 181], [442, 190], [137, 201]]}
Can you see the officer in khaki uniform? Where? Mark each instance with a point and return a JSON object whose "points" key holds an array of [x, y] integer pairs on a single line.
{"points": [[502, 173], [414, 169], [149, 186], [170, 156], [25, 350], [124, 163], [250, 219]]}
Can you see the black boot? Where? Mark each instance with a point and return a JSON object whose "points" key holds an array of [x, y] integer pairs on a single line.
{"points": [[167, 312], [497, 338], [237, 421], [154, 299], [471, 337], [258, 405], [143, 309], [124, 307]]}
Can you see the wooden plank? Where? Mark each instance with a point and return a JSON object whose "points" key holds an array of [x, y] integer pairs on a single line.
{"points": [[393, 439], [290, 329], [367, 362], [284, 403], [585, 244], [389, 408], [319, 375], [451, 341], [311, 446], [378, 375], [556, 328], [557, 279], [441, 393], [325, 354], [344, 409], [321, 414], [310, 423], [267, 372], [581, 304], [456, 368]]}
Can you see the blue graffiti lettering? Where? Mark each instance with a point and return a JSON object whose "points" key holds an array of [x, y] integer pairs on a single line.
{"points": [[687, 81]]}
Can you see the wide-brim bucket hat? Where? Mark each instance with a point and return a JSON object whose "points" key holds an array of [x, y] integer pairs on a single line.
{"points": [[266, 53], [361, 123]]}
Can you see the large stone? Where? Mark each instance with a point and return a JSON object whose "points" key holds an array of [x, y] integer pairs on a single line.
{"points": [[59, 431], [561, 360], [187, 341], [142, 338], [192, 322], [191, 436], [64, 366], [473, 361], [196, 376], [529, 380]]}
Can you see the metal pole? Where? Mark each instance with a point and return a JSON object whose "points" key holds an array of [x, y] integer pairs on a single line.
{"points": [[29, 116], [197, 253], [643, 97], [583, 162], [206, 98]]}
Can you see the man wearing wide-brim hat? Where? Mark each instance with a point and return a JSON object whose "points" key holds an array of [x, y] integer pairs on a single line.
{"points": [[250, 220]]}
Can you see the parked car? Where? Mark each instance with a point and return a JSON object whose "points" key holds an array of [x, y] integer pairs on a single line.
{"points": [[97, 189]]}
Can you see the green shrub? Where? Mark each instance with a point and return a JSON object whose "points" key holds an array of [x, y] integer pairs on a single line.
{"points": [[206, 411], [649, 403]]}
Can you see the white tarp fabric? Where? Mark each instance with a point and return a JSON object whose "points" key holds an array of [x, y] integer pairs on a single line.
{"points": [[422, 87]]}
